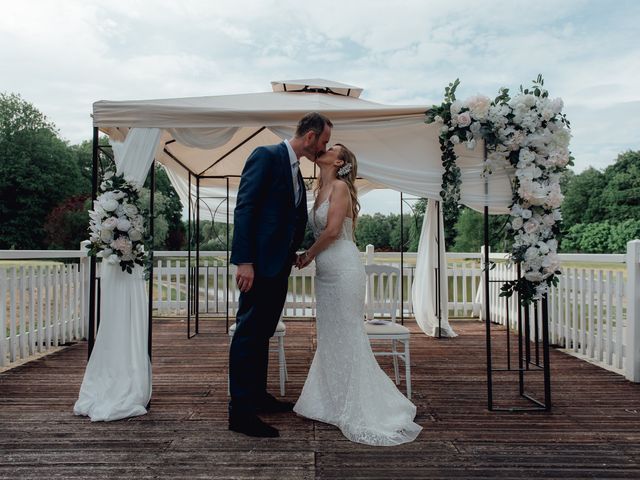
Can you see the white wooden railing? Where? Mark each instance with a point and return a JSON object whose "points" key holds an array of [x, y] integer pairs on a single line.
{"points": [[592, 313], [591, 310], [44, 304], [170, 280]]}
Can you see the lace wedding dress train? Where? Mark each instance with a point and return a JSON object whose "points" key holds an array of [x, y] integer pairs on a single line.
{"points": [[346, 387]]}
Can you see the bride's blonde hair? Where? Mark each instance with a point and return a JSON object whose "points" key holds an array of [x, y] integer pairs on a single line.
{"points": [[351, 168], [348, 173]]}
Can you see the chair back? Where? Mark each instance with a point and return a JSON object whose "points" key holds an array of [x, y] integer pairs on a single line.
{"points": [[382, 292]]}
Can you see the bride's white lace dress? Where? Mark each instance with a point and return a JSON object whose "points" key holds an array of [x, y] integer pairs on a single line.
{"points": [[346, 386]]}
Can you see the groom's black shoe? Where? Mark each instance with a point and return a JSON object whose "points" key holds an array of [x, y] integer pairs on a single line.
{"points": [[269, 404], [252, 426]]}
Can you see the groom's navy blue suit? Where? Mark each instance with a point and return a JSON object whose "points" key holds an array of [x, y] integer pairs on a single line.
{"points": [[268, 229]]}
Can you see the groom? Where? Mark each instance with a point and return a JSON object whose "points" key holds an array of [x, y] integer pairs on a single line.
{"points": [[269, 223]]}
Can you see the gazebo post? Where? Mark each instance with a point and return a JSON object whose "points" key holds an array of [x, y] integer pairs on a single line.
{"points": [[152, 192], [197, 269], [487, 309], [439, 274], [188, 258], [401, 260], [227, 264], [92, 264]]}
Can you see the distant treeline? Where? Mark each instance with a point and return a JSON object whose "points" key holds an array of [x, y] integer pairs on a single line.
{"points": [[45, 190]]}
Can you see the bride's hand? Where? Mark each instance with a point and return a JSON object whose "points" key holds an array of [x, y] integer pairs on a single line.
{"points": [[304, 259]]}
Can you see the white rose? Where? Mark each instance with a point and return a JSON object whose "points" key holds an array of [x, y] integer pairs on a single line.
{"points": [[556, 105], [517, 223], [531, 225], [124, 225], [110, 223], [444, 129], [106, 236], [438, 119], [548, 220], [479, 106], [552, 244], [130, 210], [118, 195], [557, 214], [113, 259], [544, 249], [534, 276], [531, 254], [455, 139], [108, 204], [526, 213], [135, 235], [456, 107], [475, 128], [464, 119]]}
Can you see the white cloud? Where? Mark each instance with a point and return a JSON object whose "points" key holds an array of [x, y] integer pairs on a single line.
{"points": [[63, 56]]}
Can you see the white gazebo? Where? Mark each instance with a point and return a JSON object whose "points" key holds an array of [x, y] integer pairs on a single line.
{"points": [[203, 143]]}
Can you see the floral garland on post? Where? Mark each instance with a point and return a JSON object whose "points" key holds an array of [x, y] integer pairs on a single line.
{"points": [[530, 133], [116, 224]]}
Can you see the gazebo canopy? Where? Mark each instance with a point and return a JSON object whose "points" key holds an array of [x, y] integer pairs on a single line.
{"points": [[211, 137]]}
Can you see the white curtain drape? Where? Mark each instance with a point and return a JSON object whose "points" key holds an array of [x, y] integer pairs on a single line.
{"points": [[424, 281], [117, 381]]}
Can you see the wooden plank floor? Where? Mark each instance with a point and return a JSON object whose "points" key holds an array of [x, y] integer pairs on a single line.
{"points": [[592, 432]]}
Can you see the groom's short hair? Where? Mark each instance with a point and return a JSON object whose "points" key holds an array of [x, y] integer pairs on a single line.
{"points": [[314, 122]]}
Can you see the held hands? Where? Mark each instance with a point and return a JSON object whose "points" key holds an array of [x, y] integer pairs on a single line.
{"points": [[303, 259], [244, 277]]}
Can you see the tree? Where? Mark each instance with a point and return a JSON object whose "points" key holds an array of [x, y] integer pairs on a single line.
{"points": [[38, 171], [66, 225], [621, 197], [582, 198], [470, 232], [175, 237]]}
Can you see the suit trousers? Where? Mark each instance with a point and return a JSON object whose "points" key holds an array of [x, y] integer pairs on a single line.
{"points": [[259, 310]]}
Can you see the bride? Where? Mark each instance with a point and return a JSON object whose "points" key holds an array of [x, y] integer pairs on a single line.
{"points": [[345, 386]]}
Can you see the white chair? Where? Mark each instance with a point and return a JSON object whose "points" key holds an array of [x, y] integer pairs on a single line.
{"points": [[279, 334], [382, 299]]}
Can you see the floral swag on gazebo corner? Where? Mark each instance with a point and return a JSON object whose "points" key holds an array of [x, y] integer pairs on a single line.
{"points": [[530, 133], [117, 224]]}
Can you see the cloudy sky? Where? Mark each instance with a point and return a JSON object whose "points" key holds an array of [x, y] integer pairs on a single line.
{"points": [[64, 55]]}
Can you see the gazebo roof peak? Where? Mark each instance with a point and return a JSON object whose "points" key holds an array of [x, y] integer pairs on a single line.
{"points": [[316, 85]]}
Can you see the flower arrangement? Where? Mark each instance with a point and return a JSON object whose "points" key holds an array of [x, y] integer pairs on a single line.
{"points": [[530, 133], [116, 224]]}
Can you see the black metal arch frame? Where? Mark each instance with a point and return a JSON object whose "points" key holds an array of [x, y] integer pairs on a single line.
{"points": [[525, 363]]}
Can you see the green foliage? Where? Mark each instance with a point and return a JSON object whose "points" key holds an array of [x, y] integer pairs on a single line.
{"points": [[582, 198], [66, 225], [601, 237], [470, 232], [601, 210], [169, 227], [213, 235], [38, 171]]}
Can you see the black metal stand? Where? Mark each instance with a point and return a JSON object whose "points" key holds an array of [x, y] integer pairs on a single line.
{"points": [[526, 365], [528, 357]]}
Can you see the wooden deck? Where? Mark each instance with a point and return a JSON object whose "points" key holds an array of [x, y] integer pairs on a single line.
{"points": [[592, 432]]}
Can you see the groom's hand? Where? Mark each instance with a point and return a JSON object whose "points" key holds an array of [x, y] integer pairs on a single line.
{"points": [[244, 277]]}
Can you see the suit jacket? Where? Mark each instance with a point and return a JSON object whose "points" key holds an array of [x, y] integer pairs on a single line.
{"points": [[268, 226]]}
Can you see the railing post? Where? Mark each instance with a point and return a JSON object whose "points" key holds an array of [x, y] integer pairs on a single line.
{"points": [[369, 260], [632, 360], [85, 278], [480, 295]]}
